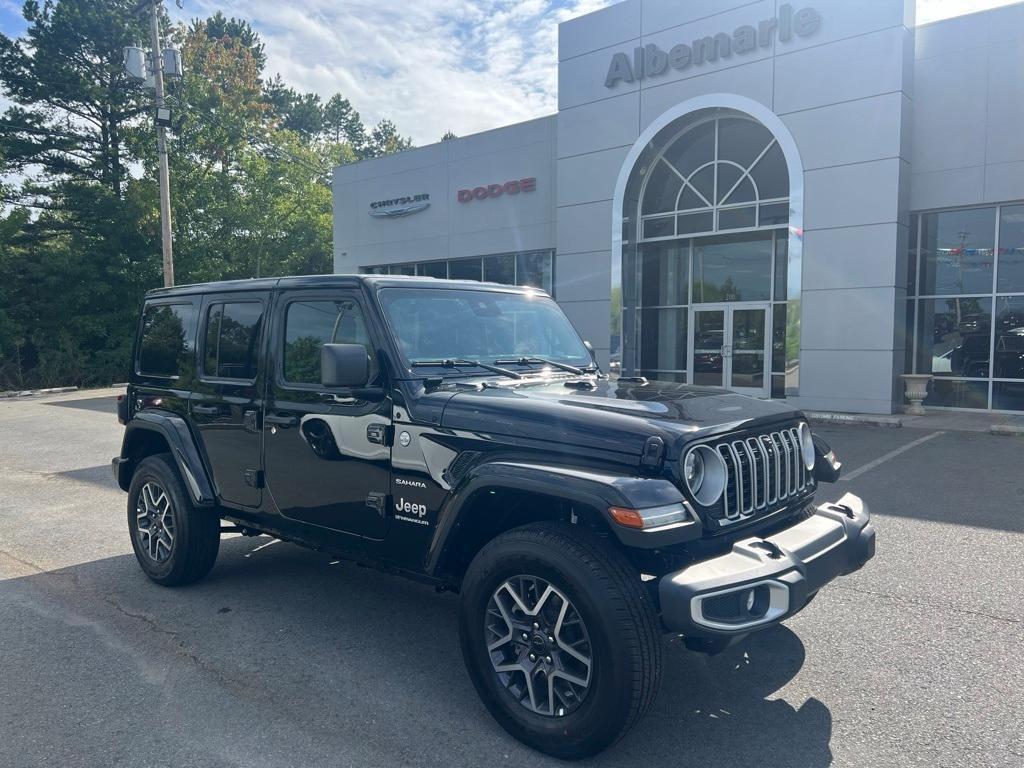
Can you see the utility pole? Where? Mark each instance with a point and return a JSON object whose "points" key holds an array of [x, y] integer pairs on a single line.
{"points": [[161, 143]]}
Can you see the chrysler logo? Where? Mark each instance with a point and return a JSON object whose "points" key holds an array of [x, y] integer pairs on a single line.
{"points": [[399, 206]]}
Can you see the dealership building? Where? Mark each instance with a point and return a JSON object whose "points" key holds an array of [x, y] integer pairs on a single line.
{"points": [[793, 201]]}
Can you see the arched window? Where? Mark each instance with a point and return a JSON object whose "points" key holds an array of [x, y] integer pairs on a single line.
{"points": [[720, 175]]}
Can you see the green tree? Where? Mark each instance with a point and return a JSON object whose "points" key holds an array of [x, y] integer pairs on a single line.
{"points": [[74, 268], [79, 233], [219, 27], [385, 139], [299, 112], [341, 123], [73, 103]]}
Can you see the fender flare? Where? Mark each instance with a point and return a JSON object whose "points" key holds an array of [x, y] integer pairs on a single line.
{"points": [[592, 488], [175, 432]]}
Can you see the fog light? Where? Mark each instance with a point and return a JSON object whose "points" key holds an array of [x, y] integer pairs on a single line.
{"points": [[743, 607]]}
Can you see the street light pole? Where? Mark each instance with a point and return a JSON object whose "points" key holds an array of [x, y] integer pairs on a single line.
{"points": [[161, 144]]}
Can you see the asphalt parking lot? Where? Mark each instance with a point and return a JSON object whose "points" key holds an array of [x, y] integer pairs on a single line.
{"points": [[283, 658]]}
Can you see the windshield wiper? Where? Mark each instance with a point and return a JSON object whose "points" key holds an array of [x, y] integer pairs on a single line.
{"points": [[544, 361], [449, 363]]}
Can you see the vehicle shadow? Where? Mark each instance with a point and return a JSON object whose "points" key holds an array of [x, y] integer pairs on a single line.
{"points": [[716, 710], [331, 660]]}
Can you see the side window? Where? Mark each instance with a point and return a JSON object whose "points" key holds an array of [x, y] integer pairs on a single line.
{"points": [[232, 340], [311, 324], [167, 341]]}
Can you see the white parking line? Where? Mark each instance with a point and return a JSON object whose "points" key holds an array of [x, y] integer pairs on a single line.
{"points": [[891, 454]]}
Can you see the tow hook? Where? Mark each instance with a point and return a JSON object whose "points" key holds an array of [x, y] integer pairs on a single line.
{"points": [[844, 509], [771, 548]]}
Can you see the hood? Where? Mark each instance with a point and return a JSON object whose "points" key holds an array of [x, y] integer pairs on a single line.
{"points": [[615, 415]]}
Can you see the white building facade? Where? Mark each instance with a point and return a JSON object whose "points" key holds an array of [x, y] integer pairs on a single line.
{"points": [[792, 201]]}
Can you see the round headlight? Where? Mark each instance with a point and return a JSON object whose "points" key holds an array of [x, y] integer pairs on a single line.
{"points": [[693, 470], [806, 445], [704, 473]]}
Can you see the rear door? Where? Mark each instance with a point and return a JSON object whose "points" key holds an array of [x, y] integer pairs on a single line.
{"points": [[327, 456], [228, 397]]}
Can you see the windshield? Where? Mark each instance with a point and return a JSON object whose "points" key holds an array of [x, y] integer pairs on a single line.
{"points": [[470, 325]]}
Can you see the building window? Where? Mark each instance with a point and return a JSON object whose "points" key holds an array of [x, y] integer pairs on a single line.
{"points": [[528, 268], [966, 323], [706, 217], [721, 175]]}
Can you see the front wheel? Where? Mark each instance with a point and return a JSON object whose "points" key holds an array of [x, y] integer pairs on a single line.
{"points": [[174, 542], [560, 638]]}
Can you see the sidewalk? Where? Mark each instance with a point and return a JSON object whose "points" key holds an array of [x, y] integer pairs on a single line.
{"points": [[956, 421]]}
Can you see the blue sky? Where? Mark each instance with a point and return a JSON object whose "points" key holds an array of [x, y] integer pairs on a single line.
{"points": [[429, 65]]}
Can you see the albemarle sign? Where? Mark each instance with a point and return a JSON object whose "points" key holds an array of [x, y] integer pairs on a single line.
{"points": [[650, 60]]}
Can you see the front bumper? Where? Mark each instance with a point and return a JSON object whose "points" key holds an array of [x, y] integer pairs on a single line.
{"points": [[764, 581]]}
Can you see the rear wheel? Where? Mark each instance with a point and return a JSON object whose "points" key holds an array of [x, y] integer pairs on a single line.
{"points": [[174, 542], [560, 638]]}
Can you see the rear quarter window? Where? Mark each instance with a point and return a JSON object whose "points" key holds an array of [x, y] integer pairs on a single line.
{"points": [[167, 340]]}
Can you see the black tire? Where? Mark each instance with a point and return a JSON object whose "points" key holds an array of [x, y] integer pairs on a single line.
{"points": [[619, 617], [196, 532]]}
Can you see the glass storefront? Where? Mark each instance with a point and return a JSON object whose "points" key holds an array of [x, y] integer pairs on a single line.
{"points": [[965, 318], [528, 268], [708, 293]]}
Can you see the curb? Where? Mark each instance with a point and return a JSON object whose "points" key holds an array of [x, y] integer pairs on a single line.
{"points": [[30, 392], [1007, 429], [856, 419]]}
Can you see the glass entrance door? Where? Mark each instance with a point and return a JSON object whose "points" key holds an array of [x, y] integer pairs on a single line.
{"points": [[730, 347]]}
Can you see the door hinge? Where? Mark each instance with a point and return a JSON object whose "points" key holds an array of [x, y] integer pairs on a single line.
{"points": [[254, 478], [377, 501], [380, 434]]}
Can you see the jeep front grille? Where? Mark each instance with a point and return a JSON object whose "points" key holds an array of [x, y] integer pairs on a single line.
{"points": [[762, 472]]}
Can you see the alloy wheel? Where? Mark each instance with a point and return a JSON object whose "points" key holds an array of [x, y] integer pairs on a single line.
{"points": [[538, 645], [155, 522]]}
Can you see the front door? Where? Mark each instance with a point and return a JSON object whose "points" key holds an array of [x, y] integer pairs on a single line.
{"points": [[729, 346], [327, 456]]}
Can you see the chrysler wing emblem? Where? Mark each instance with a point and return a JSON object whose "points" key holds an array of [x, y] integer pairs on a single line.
{"points": [[401, 206]]}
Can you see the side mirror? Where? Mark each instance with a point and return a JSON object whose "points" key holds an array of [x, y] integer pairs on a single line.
{"points": [[344, 365], [827, 467]]}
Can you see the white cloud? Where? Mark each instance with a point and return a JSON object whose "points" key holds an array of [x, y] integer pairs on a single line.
{"points": [[429, 65], [433, 65]]}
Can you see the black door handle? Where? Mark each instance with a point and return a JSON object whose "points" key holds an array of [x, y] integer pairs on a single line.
{"points": [[281, 421], [206, 410]]}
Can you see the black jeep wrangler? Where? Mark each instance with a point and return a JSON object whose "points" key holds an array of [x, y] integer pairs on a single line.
{"points": [[462, 434]]}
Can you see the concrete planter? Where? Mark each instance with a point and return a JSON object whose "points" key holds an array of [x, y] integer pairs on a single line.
{"points": [[917, 390]]}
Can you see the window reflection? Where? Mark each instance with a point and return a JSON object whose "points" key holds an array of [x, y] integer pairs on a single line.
{"points": [[663, 339], [166, 345], [953, 337], [957, 252], [1011, 249], [979, 337], [529, 268], [664, 274], [1009, 340], [733, 268]]}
